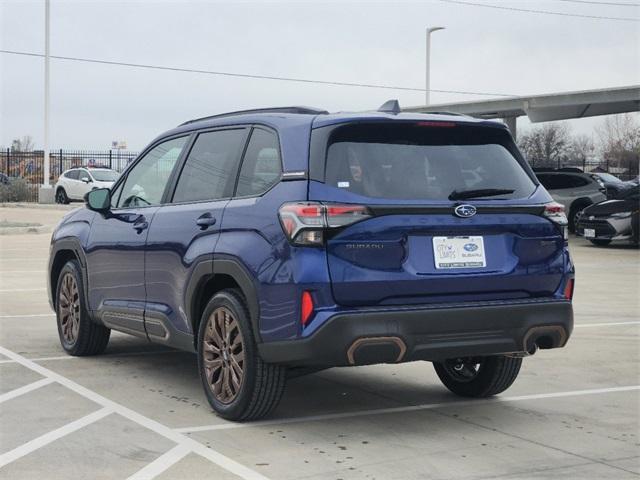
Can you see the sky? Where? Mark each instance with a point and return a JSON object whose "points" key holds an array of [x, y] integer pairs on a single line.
{"points": [[374, 42]]}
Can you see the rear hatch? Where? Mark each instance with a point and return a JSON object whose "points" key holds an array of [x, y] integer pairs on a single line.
{"points": [[452, 214]]}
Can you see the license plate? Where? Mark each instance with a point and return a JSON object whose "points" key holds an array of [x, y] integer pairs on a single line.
{"points": [[459, 252], [589, 233]]}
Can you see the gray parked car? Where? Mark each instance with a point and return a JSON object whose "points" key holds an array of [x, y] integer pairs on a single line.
{"points": [[576, 191]]}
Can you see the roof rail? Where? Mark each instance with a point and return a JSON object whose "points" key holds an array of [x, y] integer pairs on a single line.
{"points": [[298, 110]]}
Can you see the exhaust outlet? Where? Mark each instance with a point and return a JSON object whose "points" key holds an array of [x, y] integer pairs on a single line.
{"points": [[549, 336], [370, 350]]}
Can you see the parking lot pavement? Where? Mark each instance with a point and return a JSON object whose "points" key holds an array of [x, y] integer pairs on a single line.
{"points": [[138, 411]]}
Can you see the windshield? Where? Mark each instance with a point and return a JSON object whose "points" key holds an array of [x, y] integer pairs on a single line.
{"points": [[607, 177], [412, 161], [104, 175]]}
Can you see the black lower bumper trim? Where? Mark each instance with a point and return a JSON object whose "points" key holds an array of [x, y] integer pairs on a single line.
{"points": [[428, 334]]}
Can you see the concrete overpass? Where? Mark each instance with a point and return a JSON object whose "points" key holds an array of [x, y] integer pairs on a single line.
{"points": [[546, 108]]}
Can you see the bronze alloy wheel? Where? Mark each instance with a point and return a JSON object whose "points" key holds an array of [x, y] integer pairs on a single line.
{"points": [[69, 308], [223, 355]]}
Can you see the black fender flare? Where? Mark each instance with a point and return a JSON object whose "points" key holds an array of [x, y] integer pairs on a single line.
{"points": [[68, 244], [224, 265]]}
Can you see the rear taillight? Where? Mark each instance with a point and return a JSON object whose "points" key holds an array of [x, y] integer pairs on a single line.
{"points": [[554, 211], [306, 223]]}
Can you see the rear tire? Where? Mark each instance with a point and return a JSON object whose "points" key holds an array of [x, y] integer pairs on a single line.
{"points": [[478, 377], [61, 196], [238, 384], [600, 242], [79, 335], [574, 215]]}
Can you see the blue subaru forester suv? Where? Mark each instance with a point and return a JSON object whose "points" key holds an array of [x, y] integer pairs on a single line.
{"points": [[282, 241]]}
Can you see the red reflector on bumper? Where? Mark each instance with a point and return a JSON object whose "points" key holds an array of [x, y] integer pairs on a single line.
{"points": [[568, 289], [306, 307]]}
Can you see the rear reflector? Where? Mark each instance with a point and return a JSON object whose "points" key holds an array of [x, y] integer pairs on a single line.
{"points": [[568, 289], [306, 308]]}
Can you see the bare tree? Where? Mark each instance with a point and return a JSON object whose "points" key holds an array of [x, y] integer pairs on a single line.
{"points": [[619, 137], [547, 145], [24, 144], [580, 148]]}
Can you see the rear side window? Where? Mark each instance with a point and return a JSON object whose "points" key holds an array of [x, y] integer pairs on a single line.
{"points": [[211, 167], [423, 162], [72, 174], [562, 181], [261, 167]]}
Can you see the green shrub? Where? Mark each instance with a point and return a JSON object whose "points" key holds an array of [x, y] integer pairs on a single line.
{"points": [[18, 190]]}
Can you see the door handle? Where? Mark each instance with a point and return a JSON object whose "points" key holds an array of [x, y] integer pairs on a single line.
{"points": [[140, 224], [205, 221]]}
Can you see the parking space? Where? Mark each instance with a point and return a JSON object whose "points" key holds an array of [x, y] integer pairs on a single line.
{"points": [[138, 411]]}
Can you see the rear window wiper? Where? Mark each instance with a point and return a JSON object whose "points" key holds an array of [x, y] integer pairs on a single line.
{"points": [[479, 192]]}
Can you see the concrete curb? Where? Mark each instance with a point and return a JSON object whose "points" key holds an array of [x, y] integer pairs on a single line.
{"points": [[41, 206], [24, 230]]}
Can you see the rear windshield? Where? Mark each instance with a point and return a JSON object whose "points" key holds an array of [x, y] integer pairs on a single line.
{"points": [[423, 161]]}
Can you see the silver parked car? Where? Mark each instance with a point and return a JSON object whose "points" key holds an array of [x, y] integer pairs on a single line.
{"points": [[576, 191]]}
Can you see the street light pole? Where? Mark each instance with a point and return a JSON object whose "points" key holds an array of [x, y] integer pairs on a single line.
{"points": [[427, 79], [46, 94], [45, 193]]}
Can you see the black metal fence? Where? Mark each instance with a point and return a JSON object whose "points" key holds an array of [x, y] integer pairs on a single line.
{"points": [[29, 166]]}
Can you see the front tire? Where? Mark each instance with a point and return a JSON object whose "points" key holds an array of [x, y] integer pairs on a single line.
{"points": [[238, 384], [478, 377], [79, 335]]}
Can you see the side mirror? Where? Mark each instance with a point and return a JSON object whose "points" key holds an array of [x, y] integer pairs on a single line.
{"points": [[86, 179], [99, 199]]}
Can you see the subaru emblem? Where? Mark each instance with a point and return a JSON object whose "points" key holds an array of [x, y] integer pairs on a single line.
{"points": [[465, 211], [470, 247]]}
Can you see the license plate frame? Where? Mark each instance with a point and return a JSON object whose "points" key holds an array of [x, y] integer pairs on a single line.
{"points": [[459, 252], [589, 233]]}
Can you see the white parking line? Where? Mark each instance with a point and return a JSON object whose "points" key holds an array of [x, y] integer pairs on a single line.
{"points": [[161, 463], [409, 408], [14, 290], [30, 315], [41, 441], [26, 389], [605, 324], [23, 259], [23, 271], [107, 356], [194, 446]]}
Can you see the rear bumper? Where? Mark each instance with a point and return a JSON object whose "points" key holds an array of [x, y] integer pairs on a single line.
{"points": [[435, 333]]}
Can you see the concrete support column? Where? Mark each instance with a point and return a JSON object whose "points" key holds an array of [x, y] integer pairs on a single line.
{"points": [[511, 123]]}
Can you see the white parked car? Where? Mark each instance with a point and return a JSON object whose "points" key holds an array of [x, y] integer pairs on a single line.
{"points": [[75, 183]]}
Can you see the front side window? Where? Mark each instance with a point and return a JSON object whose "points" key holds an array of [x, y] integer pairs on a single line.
{"points": [[424, 162], [146, 181], [211, 167], [261, 167], [83, 174]]}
